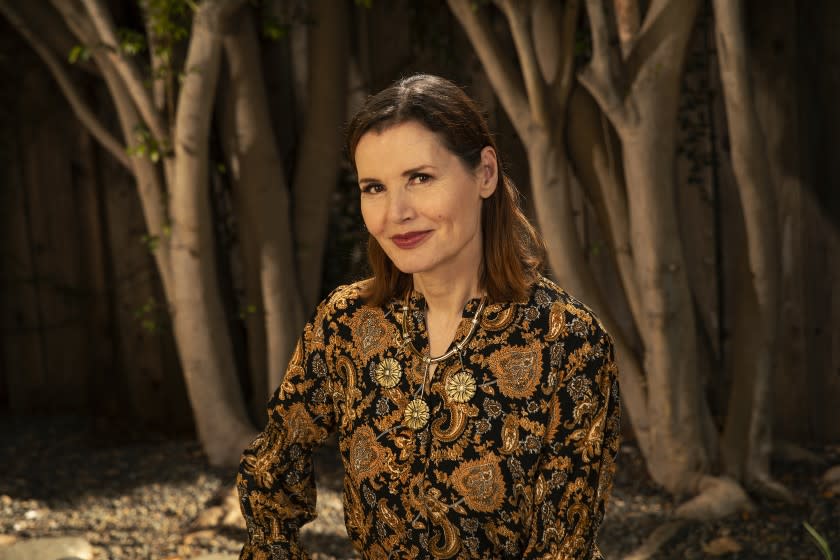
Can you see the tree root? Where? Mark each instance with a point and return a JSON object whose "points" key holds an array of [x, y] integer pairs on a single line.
{"points": [[767, 486], [717, 497], [656, 540], [789, 451]]}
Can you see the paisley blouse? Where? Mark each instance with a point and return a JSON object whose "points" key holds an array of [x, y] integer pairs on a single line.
{"points": [[514, 457]]}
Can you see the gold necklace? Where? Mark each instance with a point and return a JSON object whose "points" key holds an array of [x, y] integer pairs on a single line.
{"points": [[460, 387]]}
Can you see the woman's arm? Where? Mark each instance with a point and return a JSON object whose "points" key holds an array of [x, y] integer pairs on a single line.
{"points": [[576, 469], [275, 482]]}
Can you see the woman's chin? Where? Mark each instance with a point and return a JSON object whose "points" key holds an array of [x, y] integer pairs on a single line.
{"points": [[407, 264]]}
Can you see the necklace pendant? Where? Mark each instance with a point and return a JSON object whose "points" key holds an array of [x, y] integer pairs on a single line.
{"points": [[416, 414], [387, 373], [460, 388]]}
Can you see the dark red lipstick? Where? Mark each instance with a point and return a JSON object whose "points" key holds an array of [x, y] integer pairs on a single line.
{"points": [[411, 239]]}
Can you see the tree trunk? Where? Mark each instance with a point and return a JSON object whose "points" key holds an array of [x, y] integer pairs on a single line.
{"points": [[203, 340], [187, 264], [148, 177], [258, 173], [320, 147], [747, 439], [675, 398], [596, 161], [644, 116], [549, 168], [550, 187]]}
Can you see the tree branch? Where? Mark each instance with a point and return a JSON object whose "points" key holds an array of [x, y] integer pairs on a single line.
{"points": [[665, 20], [157, 61], [146, 175], [149, 185], [628, 23], [563, 86], [499, 70], [50, 28], [515, 12], [127, 70], [75, 20], [600, 76], [546, 27], [80, 108]]}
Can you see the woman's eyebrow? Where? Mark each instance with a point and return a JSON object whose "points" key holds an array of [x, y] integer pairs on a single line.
{"points": [[418, 169], [406, 173]]}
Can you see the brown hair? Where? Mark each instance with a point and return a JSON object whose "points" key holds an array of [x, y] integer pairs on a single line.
{"points": [[513, 253]]}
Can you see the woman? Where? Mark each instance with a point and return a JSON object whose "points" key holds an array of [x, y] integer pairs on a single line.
{"points": [[476, 403]]}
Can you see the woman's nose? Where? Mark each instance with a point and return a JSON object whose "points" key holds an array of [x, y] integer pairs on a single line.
{"points": [[400, 207]]}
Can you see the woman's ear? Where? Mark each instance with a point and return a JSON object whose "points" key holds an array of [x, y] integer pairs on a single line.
{"points": [[488, 172]]}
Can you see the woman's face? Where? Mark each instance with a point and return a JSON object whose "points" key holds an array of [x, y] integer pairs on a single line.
{"points": [[420, 202]]}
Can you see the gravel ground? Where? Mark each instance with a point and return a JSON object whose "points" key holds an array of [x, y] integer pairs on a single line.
{"points": [[158, 499]]}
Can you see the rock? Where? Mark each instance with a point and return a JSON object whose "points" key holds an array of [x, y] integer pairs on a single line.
{"points": [[202, 534], [831, 476], [232, 516], [830, 482], [721, 546], [656, 540], [62, 548], [209, 517], [6, 540], [215, 556]]}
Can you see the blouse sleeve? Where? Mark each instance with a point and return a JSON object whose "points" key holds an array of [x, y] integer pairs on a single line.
{"points": [[578, 462], [275, 482]]}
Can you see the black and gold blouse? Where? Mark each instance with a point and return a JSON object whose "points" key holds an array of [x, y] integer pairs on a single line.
{"points": [[513, 459]]}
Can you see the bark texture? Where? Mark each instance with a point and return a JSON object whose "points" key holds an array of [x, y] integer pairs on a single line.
{"points": [[747, 438], [200, 325], [537, 104], [317, 167], [643, 114], [258, 175]]}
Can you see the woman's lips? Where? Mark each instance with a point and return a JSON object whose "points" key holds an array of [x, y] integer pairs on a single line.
{"points": [[411, 239]]}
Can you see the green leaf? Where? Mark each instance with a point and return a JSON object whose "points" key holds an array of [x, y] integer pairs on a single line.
{"points": [[77, 53], [819, 540], [151, 242], [131, 42], [274, 29]]}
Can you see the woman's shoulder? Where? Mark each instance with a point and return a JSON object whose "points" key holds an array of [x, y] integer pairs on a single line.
{"points": [[557, 306], [345, 298]]}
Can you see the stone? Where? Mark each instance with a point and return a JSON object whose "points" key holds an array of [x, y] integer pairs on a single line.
{"points": [[199, 535], [831, 476], [60, 548], [216, 556], [721, 546], [830, 482], [209, 517]]}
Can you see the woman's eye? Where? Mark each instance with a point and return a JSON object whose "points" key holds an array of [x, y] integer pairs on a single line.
{"points": [[371, 188], [420, 178]]}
